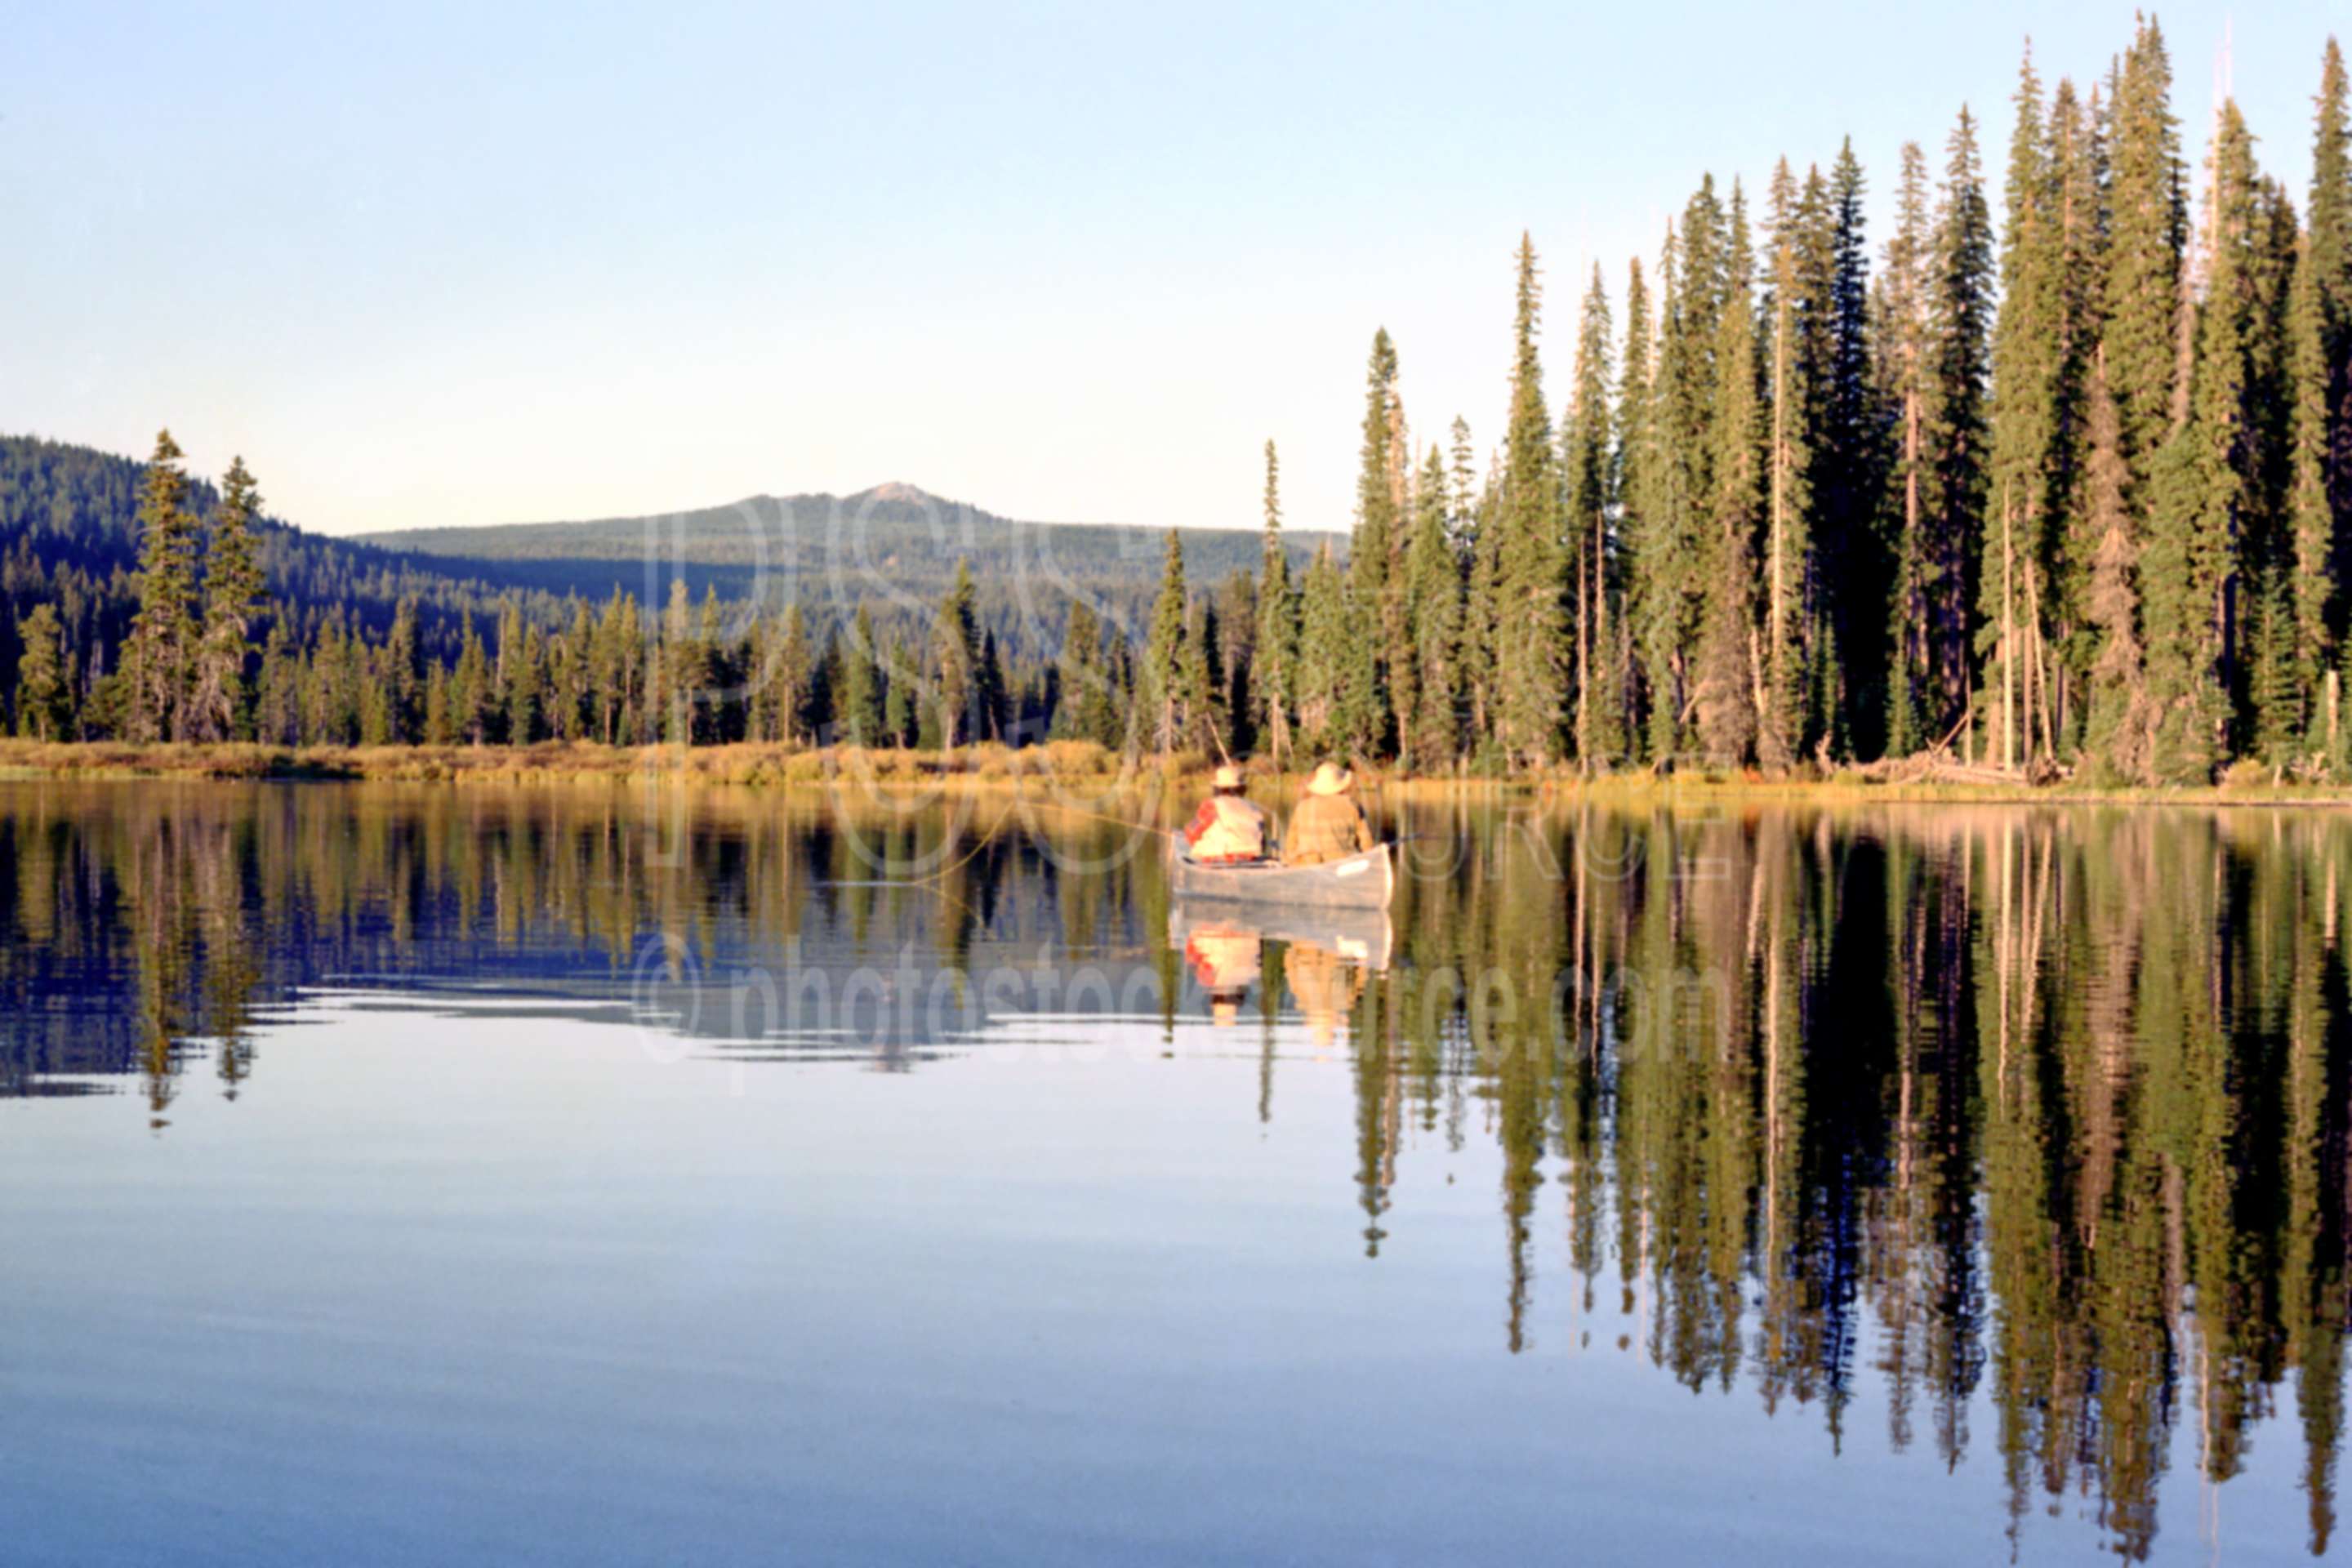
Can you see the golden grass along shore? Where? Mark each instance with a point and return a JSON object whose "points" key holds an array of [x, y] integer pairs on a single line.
{"points": [[1064, 763]]}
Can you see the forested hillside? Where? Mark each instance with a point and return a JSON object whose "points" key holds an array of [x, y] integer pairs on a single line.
{"points": [[69, 536]]}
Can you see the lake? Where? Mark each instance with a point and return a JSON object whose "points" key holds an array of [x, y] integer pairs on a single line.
{"points": [[597, 1174]]}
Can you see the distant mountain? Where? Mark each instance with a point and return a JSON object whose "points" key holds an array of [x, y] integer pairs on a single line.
{"points": [[895, 544], [68, 532]]}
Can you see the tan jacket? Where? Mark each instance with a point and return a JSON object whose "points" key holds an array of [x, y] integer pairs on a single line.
{"points": [[1326, 827]]}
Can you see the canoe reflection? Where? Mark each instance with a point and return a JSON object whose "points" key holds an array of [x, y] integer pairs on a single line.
{"points": [[1326, 955]]}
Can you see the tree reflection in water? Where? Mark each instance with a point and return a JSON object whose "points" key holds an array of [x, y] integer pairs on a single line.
{"points": [[2044, 1107]]}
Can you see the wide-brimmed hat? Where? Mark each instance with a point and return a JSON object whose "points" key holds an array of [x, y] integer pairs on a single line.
{"points": [[1229, 777], [1330, 778]]}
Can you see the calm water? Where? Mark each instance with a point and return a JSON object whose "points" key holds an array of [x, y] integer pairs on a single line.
{"points": [[588, 1176]]}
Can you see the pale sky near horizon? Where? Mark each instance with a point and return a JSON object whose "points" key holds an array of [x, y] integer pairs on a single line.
{"points": [[467, 265]]}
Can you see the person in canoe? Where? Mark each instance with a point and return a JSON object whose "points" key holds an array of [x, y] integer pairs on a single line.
{"points": [[1328, 825], [1228, 830]]}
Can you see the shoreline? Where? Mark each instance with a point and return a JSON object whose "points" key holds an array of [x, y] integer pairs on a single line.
{"points": [[1073, 764]]}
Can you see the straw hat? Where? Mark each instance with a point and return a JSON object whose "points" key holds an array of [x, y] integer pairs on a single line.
{"points": [[1229, 777], [1330, 778]]}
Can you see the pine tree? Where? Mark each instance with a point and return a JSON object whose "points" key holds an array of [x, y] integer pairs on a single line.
{"points": [[1847, 650], [219, 700], [405, 676], [2319, 499], [371, 693], [1236, 605], [1433, 593], [1159, 710], [991, 698], [440, 728], [43, 677], [1650, 591], [2330, 268], [1276, 672], [1788, 576], [2201, 487], [1684, 534], [1201, 681], [1088, 710], [2148, 224], [950, 711], [900, 720], [1323, 628], [469, 689], [1359, 718], [628, 675], [2029, 345], [2116, 726], [790, 679], [569, 689], [1908, 346], [278, 708], [157, 658], [1528, 577], [1960, 311], [683, 670], [859, 708], [718, 712], [1588, 456], [2078, 183], [517, 699], [1725, 672], [1373, 578]]}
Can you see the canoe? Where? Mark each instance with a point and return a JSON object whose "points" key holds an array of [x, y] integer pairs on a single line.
{"points": [[1365, 881]]}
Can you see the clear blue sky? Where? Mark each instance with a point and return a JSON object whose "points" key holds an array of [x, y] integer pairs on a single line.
{"points": [[465, 264]]}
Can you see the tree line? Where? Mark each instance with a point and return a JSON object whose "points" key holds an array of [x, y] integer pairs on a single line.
{"points": [[209, 658], [2077, 495]]}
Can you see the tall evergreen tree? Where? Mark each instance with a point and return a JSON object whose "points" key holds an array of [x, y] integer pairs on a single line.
{"points": [[2078, 183], [2116, 735], [1374, 578], [1848, 650], [1724, 681], [2148, 225], [43, 677], [1959, 318], [1275, 674], [2189, 569], [1905, 340], [405, 676], [1789, 591], [219, 700], [2330, 282], [2028, 417], [157, 657], [858, 711], [1651, 590], [1589, 461], [1160, 716], [1322, 671], [1434, 611], [1531, 669], [792, 681]]}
